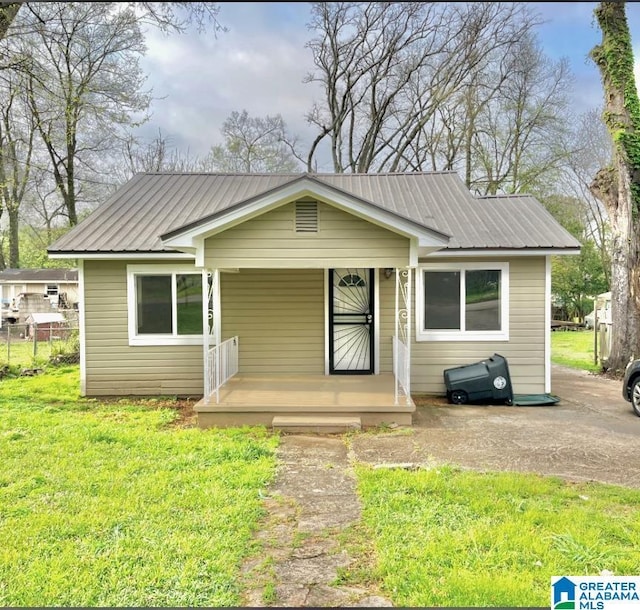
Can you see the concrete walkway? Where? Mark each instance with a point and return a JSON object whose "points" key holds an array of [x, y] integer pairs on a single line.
{"points": [[313, 500]]}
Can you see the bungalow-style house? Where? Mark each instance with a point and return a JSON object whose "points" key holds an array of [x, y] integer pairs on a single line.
{"points": [[310, 299]]}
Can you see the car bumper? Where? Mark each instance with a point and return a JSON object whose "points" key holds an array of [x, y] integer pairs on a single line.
{"points": [[632, 371]]}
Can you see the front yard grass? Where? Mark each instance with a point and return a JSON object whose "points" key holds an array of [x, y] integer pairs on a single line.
{"points": [[115, 504], [447, 537], [118, 504], [20, 352], [574, 348]]}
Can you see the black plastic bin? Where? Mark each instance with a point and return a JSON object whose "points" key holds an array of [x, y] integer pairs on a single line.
{"points": [[485, 381]]}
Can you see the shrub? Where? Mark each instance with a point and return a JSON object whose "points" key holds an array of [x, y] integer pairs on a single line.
{"points": [[66, 351]]}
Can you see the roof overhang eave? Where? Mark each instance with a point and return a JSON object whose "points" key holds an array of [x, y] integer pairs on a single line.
{"points": [[119, 255], [502, 252]]}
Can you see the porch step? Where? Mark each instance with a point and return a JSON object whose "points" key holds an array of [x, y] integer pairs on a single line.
{"points": [[315, 423]]}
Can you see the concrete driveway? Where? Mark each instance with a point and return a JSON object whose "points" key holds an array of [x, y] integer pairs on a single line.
{"points": [[592, 434]]}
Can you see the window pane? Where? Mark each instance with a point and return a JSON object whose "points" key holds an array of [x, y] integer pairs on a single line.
{"points": [[189, 294], [153, 297], [483, 300], [442, 300]]}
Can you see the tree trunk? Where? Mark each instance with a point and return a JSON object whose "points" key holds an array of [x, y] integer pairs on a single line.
{"points": [[612, 187], [618, 186], [14, 238]]}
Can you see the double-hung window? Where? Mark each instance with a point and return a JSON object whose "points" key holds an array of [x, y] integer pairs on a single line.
{"points": [[462, 302], [165, 305]]}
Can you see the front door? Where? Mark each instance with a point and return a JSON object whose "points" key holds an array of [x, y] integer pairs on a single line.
{"points": [[351, 321]]}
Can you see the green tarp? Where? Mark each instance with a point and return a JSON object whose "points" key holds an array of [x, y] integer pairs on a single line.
{"points": [[535, 400]]}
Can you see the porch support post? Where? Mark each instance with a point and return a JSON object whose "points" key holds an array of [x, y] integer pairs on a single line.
{"points": [[205, 334], [216, 323], [409, 273], [396, 339], [210, 330], [402, 339]]}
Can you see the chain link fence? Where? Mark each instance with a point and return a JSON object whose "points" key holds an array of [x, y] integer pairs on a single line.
{"points": [[29, 343]]}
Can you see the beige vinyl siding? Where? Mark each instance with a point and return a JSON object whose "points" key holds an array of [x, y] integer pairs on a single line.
{"points": [[524, 351], [342, 240], [387, 298], [278, 316], [113, 367]]}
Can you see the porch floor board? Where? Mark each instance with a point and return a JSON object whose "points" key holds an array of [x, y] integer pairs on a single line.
{"points": [[350, 391], [259, 398]]}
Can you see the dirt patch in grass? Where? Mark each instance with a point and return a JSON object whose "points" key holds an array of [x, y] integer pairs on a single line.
{"points": [[428, 400], [186, 416], [182, 405]]}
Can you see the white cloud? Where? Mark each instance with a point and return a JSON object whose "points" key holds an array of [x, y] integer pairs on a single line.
{"points": [[260, 63]]}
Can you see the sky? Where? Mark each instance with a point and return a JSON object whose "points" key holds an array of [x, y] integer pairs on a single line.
{"points": [[259, 65]]}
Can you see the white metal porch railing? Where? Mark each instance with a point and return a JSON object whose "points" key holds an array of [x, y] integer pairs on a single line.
{"points": [[221, 365], [401, 371]]}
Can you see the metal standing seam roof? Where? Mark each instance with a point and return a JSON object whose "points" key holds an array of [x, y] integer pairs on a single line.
{"points": [[155, 204], [45, 318], [13, 276]]}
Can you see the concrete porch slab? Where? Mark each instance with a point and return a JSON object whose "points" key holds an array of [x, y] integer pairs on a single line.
{"points": [[257, 399]]}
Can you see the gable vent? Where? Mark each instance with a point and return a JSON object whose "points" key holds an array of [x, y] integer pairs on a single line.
{"points": [[306, 217]]}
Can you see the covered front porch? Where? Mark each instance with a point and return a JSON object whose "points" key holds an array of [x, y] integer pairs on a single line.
{"points": [[366, 377], [307, 402]]}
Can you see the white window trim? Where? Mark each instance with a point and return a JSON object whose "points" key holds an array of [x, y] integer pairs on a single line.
{"points": [[132, 311], [459, 335]]}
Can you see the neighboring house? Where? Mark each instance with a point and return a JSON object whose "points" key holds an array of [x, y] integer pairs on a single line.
{"points": [[59, 287], [279, 295], [601, 312]]}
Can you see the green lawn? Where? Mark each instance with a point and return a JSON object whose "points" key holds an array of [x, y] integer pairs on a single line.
{"points": [[446, 537], [574, 348], [117, 505], [20, 352]]}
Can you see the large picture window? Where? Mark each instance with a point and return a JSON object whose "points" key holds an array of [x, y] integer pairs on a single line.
{"points": [[164, 307], [462, 302]]}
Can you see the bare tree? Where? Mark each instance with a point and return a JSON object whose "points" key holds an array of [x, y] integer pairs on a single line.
{"points": [[387, 68], [157, 155], [618, 184], [501, 130], [518, 134], [590, 147], [86, 85], [16, 148], [168, 16], [254, 144]]}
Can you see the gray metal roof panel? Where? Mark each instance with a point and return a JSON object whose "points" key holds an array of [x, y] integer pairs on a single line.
{"points": [[10, 276], [350, 192], [155, 204], [525, 218]]}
